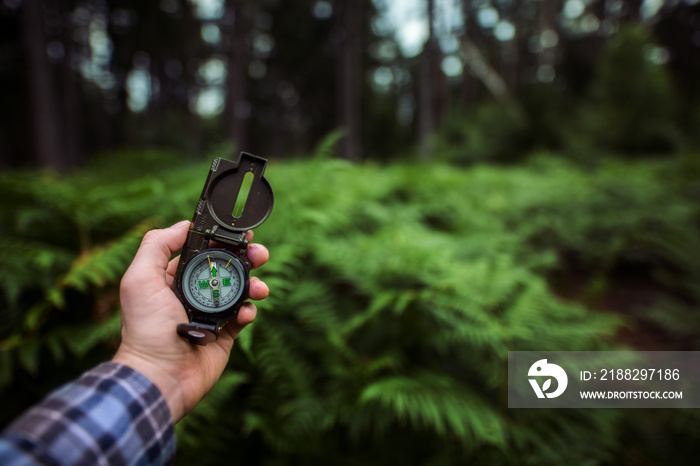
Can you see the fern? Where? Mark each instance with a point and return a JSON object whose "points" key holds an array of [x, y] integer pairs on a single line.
{"points": [[396, 293], [327, 146], [431, 401]]}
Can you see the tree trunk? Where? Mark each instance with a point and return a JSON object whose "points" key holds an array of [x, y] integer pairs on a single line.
{"points": [[238, 107], [509, 62], [470, 83], [72, 100], [348, 79], [426, 94], [548, 19], [5, 151], [191, 30], [44, 100]]}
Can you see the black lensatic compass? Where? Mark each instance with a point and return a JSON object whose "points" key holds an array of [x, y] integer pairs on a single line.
{"points": [[212, 281]]}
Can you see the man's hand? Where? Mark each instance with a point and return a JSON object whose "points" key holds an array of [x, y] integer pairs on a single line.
{"points": [[183, 372]]}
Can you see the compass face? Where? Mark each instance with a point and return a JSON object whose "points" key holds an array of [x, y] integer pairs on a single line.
{"points": [[214, 281]]}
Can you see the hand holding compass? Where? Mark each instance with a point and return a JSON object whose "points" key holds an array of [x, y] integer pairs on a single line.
{"points": [[150, 312]]}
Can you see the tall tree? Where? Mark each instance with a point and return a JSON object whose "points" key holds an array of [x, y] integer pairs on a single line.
{"points": [[347, 77], [191, 55], [426, 83], [72, 95], [238, 106], [43, 97]]}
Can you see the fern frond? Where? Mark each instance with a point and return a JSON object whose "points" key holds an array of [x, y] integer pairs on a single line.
{"points": [[327, 146], [107, 263], [432, 401]]}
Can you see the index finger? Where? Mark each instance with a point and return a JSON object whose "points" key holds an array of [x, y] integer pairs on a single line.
{"points": [[258, 254]]}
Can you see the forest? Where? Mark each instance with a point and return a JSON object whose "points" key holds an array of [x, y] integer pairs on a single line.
{"points": [[453, 180]]}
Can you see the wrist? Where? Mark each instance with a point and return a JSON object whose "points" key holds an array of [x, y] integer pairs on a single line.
{"points": [[168, 385]]}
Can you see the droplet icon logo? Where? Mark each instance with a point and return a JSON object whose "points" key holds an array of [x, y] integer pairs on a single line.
{"points": [[542, 368]]}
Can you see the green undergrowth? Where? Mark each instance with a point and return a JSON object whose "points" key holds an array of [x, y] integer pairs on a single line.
{"points": [[396, 293]]}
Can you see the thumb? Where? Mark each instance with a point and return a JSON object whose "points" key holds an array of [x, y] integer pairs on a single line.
{"points": [[158, 246]]}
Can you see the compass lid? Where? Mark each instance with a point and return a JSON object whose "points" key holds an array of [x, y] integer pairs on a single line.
{"points": [[237, 195]]}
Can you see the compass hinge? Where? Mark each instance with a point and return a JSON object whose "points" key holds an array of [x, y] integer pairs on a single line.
{"points": [[235, 239]]}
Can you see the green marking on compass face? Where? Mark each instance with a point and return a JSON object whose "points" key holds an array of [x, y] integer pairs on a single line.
{"points": [[204, 283], [213, 272], [215, 293], [226, 281]]}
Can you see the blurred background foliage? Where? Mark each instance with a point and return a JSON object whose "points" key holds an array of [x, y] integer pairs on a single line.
{"points": [[453, 180]]}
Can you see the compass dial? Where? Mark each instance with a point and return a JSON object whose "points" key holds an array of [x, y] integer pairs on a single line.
{"points": [[214, 281]]}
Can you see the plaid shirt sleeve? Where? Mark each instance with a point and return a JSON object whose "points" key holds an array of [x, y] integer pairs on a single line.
{"points": [[111, 415]]}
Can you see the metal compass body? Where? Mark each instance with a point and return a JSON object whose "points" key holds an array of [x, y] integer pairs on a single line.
{"points": [[212, 278], [214, 281]]}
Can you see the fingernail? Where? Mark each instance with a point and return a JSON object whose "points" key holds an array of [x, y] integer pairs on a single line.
{"points": [[181, 224]]}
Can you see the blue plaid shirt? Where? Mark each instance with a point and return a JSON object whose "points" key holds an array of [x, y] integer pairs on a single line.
{"points": [[111, 415]]}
